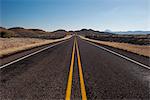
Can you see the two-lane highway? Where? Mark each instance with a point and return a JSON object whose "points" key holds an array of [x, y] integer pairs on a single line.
{"points": [[75, 69]]}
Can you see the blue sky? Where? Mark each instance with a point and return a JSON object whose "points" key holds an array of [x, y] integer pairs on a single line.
{"points": [[116, 15]]}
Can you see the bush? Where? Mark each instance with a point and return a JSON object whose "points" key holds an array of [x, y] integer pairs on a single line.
{"points": [[5, 34]]}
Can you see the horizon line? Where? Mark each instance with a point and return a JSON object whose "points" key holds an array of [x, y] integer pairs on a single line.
{"points": [[48, 30]]}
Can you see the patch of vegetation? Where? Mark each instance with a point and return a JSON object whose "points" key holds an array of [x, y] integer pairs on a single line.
{"points": [[4, 34], [15, 28], [57, 37], [132, 39]]}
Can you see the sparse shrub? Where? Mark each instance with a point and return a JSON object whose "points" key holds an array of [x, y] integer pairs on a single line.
{"points": [[5, 34], [122, 39]]}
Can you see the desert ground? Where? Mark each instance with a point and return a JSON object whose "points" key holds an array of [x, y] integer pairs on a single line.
{"points": [[143, 50], [12, 45]]}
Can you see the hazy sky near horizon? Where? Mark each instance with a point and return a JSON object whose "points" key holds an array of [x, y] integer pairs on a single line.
{"points": [[116, 15]]}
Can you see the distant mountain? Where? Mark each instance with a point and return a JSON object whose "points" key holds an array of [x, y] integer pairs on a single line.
{"points": [[59, 32], [108, 30], [86, 32], [2, 28], [16, 28], [133, 32], [34, 33], [38, 31]]}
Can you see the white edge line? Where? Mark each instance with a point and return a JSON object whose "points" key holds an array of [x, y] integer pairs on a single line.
{"points": [[19, 59], [122, 56]]}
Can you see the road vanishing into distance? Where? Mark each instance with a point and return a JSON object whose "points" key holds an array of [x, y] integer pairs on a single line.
{"points": [[75, 69]]}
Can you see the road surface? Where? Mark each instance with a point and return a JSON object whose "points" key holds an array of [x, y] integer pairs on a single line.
{"points": [[74, 69]]}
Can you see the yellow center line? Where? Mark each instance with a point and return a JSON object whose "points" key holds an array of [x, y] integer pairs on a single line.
{"points": [[69, 84], [82, 86]]}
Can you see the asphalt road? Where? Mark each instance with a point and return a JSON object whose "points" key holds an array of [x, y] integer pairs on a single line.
{"points": [[45, 75], [108, 76], [41, 76]]}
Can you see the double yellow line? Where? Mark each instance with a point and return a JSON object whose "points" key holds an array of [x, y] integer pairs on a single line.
{"points": [[69, 85]]}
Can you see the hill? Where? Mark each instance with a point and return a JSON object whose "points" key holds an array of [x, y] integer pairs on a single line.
{"points": [[140, 38], [8, 32], [56, 34], [90, 32], [33, 33], [21, 32]]}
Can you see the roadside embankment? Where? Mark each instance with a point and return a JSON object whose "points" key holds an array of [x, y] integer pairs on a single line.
{"points": [[10, 46], [143, 50]]}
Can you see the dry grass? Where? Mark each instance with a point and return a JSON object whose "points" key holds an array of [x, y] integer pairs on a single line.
{"points": [[138, 49], [7, 43], [12, 45]]}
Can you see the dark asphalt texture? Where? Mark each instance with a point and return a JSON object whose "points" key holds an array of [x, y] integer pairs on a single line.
{"points": [[39, 77], [9, 58], [44, 76], [108, 76], [76, 91]]}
